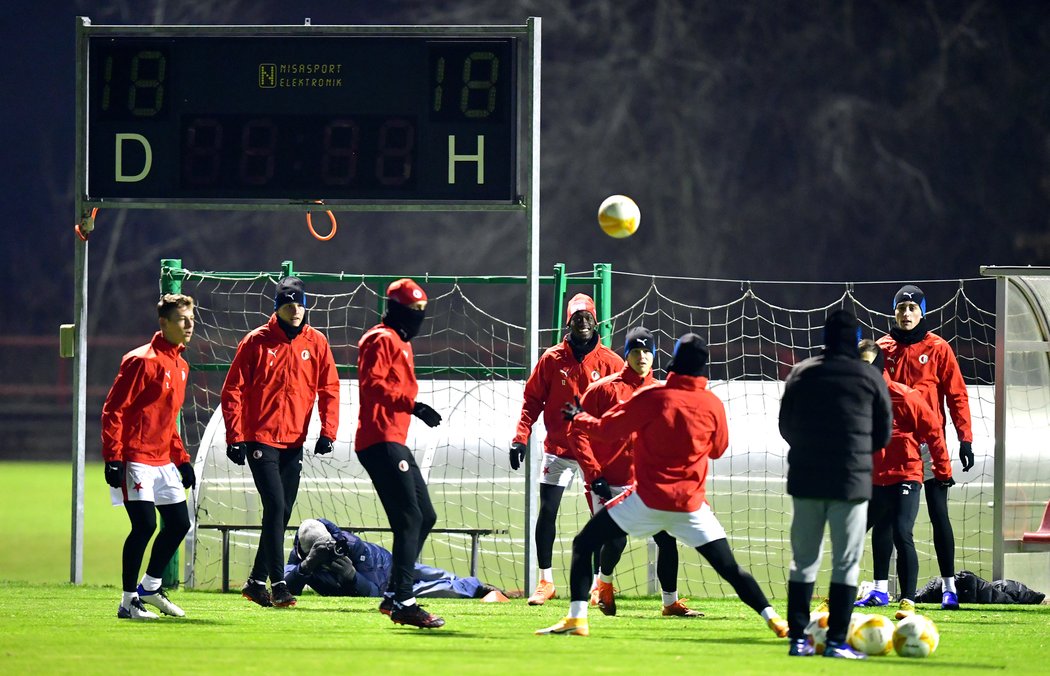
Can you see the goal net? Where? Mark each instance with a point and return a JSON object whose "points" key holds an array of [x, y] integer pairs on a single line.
{"points": [[471, 361]]}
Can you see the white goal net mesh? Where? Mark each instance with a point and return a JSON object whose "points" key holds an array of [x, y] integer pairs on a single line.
{"points": [[470, 358]]}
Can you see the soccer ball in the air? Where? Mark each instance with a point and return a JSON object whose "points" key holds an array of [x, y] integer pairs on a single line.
{"points": [[619, 216], [817, 631], [873, 634], [915, 636]]}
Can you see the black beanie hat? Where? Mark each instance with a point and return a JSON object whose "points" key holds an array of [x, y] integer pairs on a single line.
{"points": [[639, 336], [910, 292], [690, 356], [289, 290], [842, 333]]}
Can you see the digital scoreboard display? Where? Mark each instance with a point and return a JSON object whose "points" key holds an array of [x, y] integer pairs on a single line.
{"points": [[409, 119]]}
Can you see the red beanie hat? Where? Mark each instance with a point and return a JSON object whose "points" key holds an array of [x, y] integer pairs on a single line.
{"points": [[405, 291], [580, 301]]}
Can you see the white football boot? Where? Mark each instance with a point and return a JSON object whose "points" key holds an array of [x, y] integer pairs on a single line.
{"points": [[135, 611], [160, 600]]}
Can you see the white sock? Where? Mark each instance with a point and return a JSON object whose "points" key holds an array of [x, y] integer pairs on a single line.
{"points": [[259, 582], [546, 574], [949, 584], [670, 597], [594, 582], [150, 583], [409, 602], [578, 609], [607, 579], [768, 613], [882, 586], [126, 599]]}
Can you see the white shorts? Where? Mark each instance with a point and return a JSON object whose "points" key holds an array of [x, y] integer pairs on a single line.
{"points": [[693, 529], [159, 485], [558, 471], [596, 502]]}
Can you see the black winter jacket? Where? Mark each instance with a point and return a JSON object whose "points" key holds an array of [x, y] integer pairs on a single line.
{"points": [[834, 414]]}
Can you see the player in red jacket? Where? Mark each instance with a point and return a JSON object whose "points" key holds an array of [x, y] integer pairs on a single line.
{"points": [[145, 457], [562, 374], [925, 362], [278, 372], [388, 388], [608, 469], [677, 427], [896, 477]]}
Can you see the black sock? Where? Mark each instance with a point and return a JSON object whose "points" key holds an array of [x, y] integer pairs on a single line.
{"points": [[840, 608], [799, 596]]}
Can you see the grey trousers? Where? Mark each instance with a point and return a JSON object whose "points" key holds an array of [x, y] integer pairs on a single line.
{"points": [[847, 521]]}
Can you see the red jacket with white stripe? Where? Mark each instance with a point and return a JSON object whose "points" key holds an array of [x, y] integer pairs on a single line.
{"points": [[930, 367], [558, 379], [141, 414], [273, 383], [913, 424], [677, 426], [387, 385], [597, 457]]}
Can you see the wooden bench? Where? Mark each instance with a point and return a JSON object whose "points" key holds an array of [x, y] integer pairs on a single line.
{"points": [[225, 530]]}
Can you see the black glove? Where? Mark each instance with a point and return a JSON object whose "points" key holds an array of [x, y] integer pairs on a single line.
{"points": [[600, 487], [115, 473], [428, 415], [320, 554], [189, 478], [236, 452], [517, 454], [571, 409], [966, 455], [324, 445], [947, 483]]}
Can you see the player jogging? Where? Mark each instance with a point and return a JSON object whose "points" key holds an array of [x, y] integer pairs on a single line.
{"points": [[278, 372], [562, 374], [677, 425], [608, 469], [925, 362], [897, 478], [388, 389], [145, 457]]}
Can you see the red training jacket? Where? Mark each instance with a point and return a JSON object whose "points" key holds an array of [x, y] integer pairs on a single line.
{"points": [[677, 426], [913, 424], [273, 383], [387, 385], [141, 414], [557, 379], [930, 367], [600, 458]]}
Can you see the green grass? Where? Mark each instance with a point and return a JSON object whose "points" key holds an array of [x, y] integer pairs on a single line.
{"points": [[48, 626]]}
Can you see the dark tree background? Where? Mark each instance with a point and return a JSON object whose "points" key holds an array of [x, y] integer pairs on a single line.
{"points": [[804, 140]]}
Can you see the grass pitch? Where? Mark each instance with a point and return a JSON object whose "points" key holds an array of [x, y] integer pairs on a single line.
{"points": [[47, 626]]}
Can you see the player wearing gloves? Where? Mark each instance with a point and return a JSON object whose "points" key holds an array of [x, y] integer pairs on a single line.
{"points": [[608, 468], [336, 562], [925, 362], [897, 476], [677, 427], [388, 388], [145, 457], [279, 370], [562, 374]]}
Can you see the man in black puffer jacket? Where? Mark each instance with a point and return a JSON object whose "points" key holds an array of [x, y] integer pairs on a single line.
{"points": [[834, 414]]}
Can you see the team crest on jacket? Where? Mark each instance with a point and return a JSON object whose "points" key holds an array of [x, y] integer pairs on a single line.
{"points": [[595, 375], [305, 354], [403, 465], [257, 454], [923, 358]]}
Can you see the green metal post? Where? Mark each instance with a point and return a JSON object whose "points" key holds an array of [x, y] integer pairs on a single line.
{"points": [[560, 285], [171, 282], [287, 269], [603, 299]]}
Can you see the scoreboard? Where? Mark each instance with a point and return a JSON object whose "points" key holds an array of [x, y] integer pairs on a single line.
{"points": [[236, 117]]}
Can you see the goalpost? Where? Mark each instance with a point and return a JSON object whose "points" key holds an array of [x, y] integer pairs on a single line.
{"points": [[472, 365]]}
